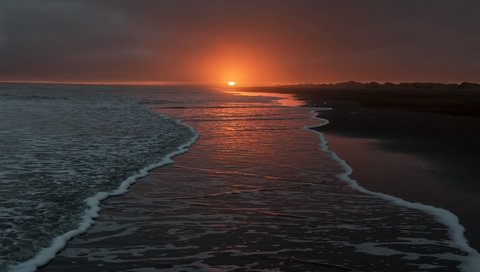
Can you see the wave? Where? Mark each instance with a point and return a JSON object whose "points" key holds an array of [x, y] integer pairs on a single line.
{"points": [[93, 207], [470, 263]]}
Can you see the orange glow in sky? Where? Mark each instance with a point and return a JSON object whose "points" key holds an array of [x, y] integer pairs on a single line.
{"points": [[244, 62], [255, 43]]}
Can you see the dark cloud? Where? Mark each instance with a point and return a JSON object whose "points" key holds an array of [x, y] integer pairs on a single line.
{"points": [[260, 41]]}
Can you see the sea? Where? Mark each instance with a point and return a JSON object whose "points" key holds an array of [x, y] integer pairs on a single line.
{"points": [[196, 178]]}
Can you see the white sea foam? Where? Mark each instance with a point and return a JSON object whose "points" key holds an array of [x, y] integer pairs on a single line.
{"points": [[470, 263], [93, 207]]}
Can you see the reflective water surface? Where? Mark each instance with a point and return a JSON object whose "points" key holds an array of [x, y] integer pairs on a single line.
{"points": [[255, 193]]}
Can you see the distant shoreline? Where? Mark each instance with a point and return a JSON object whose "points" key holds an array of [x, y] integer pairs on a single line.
{"points": [[374, 84], [338, 85]]}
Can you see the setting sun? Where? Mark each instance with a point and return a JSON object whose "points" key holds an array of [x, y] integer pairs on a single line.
{"points": [[232, 83]]}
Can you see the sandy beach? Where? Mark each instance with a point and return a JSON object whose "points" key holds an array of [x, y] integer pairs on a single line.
{"points": [[416, 143]]}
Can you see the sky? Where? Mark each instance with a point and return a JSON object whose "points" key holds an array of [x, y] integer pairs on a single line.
{"points": [[256, 42]]}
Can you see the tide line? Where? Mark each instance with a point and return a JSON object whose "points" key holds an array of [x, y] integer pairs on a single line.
{"points": [[93, 208], [470, 263]]}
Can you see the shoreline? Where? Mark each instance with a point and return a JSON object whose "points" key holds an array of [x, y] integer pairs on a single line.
{"points": [[47, 254], [429, 144], [238, 213], [446, 217]]}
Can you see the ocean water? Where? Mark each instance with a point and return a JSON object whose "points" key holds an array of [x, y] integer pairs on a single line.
{"points": [[60, 146], [257, 191]]}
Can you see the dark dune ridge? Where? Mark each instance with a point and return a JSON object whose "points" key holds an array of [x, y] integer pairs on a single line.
{"points": [[418, 141], [450, 99]]}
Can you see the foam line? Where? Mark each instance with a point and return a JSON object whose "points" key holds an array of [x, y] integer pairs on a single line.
{"points": [[93, 207], [470, 263]]}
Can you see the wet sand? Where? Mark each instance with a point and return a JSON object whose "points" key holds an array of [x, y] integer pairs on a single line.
{"points": [[422, 145], [255, 193], [409, 177]]}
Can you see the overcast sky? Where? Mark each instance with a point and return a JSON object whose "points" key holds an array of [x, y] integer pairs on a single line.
{"points": [[245, 40]]}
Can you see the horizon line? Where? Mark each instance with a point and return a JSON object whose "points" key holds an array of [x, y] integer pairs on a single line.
{"points": [[242, 84]]}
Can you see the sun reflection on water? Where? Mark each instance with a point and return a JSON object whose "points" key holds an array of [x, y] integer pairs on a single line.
{"points": [[288, 100]]}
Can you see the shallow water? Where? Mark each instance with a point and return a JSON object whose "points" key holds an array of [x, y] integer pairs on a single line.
{"points": [[256, 192], [59, 147]]}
